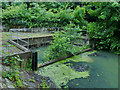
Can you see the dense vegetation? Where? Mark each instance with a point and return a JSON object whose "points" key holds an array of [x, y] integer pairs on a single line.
{"points": [[105, 29], [63, 43], [101, 19], [38, 15]]}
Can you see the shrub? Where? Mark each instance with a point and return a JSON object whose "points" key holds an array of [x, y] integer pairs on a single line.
{"points": [[63, 42]]}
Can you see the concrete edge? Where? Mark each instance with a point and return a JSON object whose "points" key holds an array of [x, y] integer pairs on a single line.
{"points": [[19, 46], [36, 37], [26, 54], [23, 55], [56, 60]]}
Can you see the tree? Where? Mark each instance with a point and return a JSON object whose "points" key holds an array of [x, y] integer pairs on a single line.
{"points": [[106, 28]]}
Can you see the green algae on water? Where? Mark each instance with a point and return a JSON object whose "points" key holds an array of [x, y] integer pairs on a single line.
{"points": [[61, 74], [80, 58], [102, 69]]}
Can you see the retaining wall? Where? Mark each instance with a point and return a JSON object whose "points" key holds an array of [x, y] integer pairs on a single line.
{"points": [[36, 41], [24, 56], [33, 43]]}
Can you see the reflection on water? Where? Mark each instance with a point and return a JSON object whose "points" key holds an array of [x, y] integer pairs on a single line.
{"points": [[102, 73]]}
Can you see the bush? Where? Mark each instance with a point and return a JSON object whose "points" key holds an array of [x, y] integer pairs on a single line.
{"points": [[63, 42], [14, 15], [105, 30], [37, 16]]}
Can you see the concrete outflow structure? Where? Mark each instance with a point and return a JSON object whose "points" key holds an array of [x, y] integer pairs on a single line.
{"points": [[27, 43]]}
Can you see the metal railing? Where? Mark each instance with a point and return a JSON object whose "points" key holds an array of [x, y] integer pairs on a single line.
{"points": [[17, 37], [21, 31]]}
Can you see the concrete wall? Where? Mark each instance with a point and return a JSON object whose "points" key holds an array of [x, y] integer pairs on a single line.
{"points": [[27, 53], [24, 56], [36, 41]]}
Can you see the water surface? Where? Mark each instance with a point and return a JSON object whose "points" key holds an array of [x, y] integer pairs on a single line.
{"points": [[102, 72], [41, 53]]}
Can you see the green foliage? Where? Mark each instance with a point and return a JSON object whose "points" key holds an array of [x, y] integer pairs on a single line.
{"points": [[63, 43], [64, 17], [41, 15], [43, 84], [19, 83], [79, 14], [106, 29], [13, 73], [12, 15], [27, 66], [57, 6], [32, 80]]}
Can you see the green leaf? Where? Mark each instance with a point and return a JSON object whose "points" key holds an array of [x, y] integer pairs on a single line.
{"points": [[102, 16]]}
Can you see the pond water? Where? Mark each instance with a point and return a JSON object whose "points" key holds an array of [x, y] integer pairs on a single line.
{"points": [[102, 71], [41, 53]]}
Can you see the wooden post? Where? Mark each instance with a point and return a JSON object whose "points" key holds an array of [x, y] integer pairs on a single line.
{"points": [[34, 61]]}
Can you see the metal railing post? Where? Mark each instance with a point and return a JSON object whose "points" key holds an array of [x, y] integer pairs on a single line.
{"points": [[28, 42], [32, 33], [17, 36], [11, 35], [24, 29]]}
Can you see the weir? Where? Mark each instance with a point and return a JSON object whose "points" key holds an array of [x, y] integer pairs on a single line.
{"points": [[32, 43]]}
